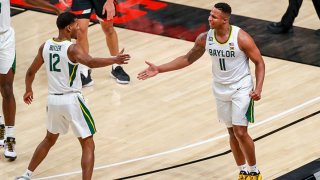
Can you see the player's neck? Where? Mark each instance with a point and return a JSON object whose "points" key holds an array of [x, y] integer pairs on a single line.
{"points": [[224, 31], [61, 39], [63, 36]]}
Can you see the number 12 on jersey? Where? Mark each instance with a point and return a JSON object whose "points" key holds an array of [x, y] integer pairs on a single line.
{"points": [[54, 60], [222, 64]]}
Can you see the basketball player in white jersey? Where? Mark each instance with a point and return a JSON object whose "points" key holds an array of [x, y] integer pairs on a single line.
{"points": [[66, 106], [230, 49]]}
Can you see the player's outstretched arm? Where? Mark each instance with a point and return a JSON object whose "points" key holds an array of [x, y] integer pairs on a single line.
{"points": [[178, 63], [247, 45], [76, 54], [44, 4], [33, 69]]}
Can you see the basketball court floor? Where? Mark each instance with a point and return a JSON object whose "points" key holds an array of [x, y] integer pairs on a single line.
{"points": [[166, 127]]}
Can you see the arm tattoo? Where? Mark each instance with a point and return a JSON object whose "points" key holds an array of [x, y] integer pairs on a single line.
{"points": [[198, 49]]}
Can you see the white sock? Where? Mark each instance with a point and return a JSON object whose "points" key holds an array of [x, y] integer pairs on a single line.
{"points": [[9, 131], [243, 168], [115, 65], [1, 120], [28, 173], [254, 168]]}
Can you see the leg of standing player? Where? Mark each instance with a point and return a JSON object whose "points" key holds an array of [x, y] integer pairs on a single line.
{"points": [[245, 143], [242, 113], [9, 112], [39, 154], [235, 147], [238, 155], [102, 8], [117, 71], [87, 160], [7, 70], [83, 10], [84, 43]]}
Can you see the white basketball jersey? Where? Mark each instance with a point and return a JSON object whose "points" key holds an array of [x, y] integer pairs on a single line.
{"points": [[229, 63], [63, 75], [4, 15]]}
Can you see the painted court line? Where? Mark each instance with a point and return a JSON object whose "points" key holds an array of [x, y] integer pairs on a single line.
{"points": [[188, 146]]}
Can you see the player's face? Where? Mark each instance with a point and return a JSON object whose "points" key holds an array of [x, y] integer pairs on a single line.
{"points": [[216, 18]]}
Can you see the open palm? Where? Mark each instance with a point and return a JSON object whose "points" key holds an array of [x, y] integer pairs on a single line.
{"points": [[151, 71]]}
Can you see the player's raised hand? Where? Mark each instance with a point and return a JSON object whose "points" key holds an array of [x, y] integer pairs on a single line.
{"points": [[28, 97], [151, 71], [122, 58], [109, 8]]}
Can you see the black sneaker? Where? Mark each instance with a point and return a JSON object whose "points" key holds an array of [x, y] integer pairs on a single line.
{"points": [[120, 75], [318, 32], [86, 81], [279, 28]]}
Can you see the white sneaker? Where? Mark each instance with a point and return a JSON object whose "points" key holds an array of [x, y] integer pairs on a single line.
{"points": [[22, 178], [2, 133], [9, 149]]}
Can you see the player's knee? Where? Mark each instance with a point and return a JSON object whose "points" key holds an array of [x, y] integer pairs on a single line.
{"points": [[6, 90], [231, 134], [109, 30], [88, 143], [240, 133]]}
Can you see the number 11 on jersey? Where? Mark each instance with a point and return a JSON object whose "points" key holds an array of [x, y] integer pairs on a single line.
{"points": [[222, 64]]}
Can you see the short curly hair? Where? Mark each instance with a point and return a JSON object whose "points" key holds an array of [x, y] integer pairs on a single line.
{"points": [[65, 19], [224, 7]]}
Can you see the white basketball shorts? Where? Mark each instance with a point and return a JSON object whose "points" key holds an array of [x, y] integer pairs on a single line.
{"points": [[69, 109], [7, 51], [234, 105]]}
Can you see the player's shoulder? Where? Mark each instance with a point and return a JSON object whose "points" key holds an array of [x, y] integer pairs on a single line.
{"points": [[244, 39], [202, 36], [42, 47], [73, 48], [243, 36], [201, 39]]}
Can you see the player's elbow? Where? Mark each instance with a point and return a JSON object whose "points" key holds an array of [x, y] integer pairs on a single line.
{"points": [[30, 73], [261, 64]]}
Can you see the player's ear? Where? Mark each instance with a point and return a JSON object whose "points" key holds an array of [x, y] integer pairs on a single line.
{"points": [[69, 28], [225, 20]]}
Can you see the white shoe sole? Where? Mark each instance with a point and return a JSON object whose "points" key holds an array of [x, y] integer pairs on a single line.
{"points": [[89, 84], [10, 158], [118, 81]]}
